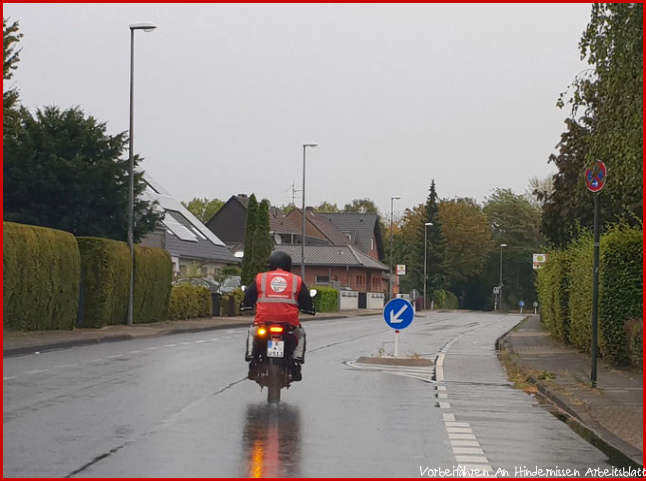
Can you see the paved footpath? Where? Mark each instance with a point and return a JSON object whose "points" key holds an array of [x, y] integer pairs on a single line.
{"points": [[610, 416]]}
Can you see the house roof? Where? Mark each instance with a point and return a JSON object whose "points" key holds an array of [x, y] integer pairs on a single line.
{"points": [[332, 256], [360, 227], [323, 227], [279, 223], [186, 236]]}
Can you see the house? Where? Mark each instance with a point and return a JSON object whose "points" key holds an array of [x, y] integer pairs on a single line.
{"points": [[339, 266], [186, 239], [362, 230], [230, 221], [317, 227]]}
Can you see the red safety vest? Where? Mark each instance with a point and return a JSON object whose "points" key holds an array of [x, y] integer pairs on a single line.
{"points": [[278, 297]]}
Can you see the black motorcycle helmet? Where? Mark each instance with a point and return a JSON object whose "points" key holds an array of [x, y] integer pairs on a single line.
{"points": [[280, 260]]}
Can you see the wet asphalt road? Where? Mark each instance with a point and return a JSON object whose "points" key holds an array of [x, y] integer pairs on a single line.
{"points": [[180, 406]]}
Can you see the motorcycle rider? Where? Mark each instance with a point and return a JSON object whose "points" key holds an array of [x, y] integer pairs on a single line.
{"points": [[278, 296]]}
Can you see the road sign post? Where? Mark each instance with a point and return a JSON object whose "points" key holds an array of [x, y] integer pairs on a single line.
{"points": [[595, 179], [521, 304], [398, 314]]}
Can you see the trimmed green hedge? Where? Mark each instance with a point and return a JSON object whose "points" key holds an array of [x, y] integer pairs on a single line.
{"points": [[621, 293], [565, 294], [188, 301], [445, 300], [106, 281], [326, 299], [153, 277], [41, 272], [553, 288], [225, 303]]}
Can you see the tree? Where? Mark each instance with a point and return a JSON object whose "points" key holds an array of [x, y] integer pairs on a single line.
{"points": [[516, 222], [61, 170], [610, 96], [326, 207], [247, 275], [569, 203], [411, 249], [468, 242], [203, 208], [539, 189], [435, 249], [361, 206], [10, 112], [262, 242]]}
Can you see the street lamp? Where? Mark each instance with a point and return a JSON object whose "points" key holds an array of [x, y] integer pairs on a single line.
{"points": [[426, 224], [390, 277], [501, 246], [305, 146], [146, 27]]}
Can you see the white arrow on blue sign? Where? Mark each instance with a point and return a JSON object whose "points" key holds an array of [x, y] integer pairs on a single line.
{"points": [[399, 313]]}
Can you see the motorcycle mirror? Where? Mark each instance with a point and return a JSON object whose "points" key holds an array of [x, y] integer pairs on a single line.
{"points": [[313, 292]]}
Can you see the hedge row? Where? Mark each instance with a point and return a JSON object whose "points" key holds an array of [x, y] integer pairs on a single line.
{"points": [[188, 301], [152, 289], [445, 300], [106, 281], [44, 270], [326, 299], [41, 272], [565, 293], [230, 303]]}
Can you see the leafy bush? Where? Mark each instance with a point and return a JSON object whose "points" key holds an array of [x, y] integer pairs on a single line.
{"points": [[553, 288], [565, 292], [445, 299], [230, 303], [580, 292], [106, 281], [326, 299], [620, 291], [41, 272], [188, 302], [153, 277]]}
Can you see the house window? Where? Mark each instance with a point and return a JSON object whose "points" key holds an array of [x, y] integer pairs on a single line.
{"points": [[322, 279], [372, 243]]}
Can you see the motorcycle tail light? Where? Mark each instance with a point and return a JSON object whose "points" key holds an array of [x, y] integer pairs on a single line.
{"points": [[276, 329], [262, 331]]}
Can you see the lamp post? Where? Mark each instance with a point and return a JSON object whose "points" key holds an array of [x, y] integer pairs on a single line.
{"points": [[501, 246], [305, 146], [146, 27], [390, 277], [426, 224]]}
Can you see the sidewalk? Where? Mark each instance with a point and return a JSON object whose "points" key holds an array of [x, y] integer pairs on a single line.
{"points": [[610, 416], [16, 343]]}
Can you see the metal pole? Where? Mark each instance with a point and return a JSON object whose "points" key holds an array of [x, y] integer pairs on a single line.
{"points": [[390, 277], [396, 342], [595, 291], [131, 202], [501, 278], [303, 232], [425, 245]]}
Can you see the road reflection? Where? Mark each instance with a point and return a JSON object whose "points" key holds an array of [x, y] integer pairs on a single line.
{"points": [[271, 441]]}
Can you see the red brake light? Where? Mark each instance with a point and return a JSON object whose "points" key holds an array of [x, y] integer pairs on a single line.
{"points": [[276, 329]]}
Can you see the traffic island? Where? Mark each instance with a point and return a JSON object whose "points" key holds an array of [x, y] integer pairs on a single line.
{"points": [[396, 361]]}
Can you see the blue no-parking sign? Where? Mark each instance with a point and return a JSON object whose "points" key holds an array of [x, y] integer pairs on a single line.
{"points": [[399, 313]]}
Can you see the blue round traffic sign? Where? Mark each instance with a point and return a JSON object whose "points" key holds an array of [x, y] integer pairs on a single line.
{"points": [[595, 176], [521, 303], [399, 313]]}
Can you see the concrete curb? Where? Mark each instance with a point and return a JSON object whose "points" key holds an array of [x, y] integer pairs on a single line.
{"points": [[580, 422], [615, 448]]}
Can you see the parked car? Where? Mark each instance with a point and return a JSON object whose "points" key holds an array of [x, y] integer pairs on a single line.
{"points": [[230, 284], [212, 285]]}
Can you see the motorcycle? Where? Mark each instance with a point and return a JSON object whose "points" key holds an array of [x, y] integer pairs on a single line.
{"points": [[273, 345]]}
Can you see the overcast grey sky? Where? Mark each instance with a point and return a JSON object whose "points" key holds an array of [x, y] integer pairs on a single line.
{"points": [[395, 95]]}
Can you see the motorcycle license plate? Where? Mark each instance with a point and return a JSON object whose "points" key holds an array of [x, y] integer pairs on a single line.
{"points": [[275, 348]]}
